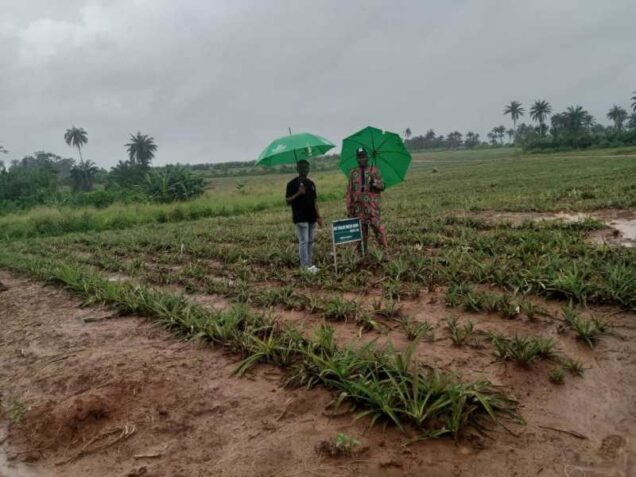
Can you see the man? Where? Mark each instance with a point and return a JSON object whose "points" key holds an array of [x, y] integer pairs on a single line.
{"points": [[363, 199], [301, 196]]}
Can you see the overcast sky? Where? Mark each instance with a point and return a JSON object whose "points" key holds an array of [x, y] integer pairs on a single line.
{"points": [[217, 80]]}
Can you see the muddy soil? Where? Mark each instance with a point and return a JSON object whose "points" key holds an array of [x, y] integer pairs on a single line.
{"points": [[87, 393], [620, 231]]}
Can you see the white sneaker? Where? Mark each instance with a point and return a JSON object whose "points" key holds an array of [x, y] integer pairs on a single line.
{"points": [[313, 269]]}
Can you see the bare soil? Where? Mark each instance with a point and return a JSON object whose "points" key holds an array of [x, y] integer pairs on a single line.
{"points": [[85, 392]]}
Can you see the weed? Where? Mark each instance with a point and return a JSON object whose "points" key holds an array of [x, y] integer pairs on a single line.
{"points": [[346, 443], [342, 445]]}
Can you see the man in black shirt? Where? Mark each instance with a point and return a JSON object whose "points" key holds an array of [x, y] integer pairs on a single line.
{"points": [[301, 196]]}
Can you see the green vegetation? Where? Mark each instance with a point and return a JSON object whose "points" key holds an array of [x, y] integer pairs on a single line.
{"points": [[588, 331], [346, 444], [574, 366], [573, 128], [415, 330], [459, 333], [524, 350], [557, 376], [448, 243], [384, 384]]}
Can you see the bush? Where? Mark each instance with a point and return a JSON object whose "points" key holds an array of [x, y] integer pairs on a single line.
{"points": [[172, 183]]}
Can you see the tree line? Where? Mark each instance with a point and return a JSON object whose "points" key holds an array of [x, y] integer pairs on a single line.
{"points": [[574, 128], [46, 178]]}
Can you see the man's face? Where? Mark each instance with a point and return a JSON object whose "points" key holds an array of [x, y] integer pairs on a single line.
{"points": [[303, 168], [362, 161]]}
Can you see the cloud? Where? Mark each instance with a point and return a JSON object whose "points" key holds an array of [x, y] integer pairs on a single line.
{"points": [[217, 81]]}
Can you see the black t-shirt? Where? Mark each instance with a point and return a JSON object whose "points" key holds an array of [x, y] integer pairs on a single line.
{"points": [[303, 206]]}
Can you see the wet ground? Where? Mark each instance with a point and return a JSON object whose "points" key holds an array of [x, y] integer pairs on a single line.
{"points": [[88, 393]]}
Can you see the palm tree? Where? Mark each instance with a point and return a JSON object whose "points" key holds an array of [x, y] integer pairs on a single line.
{"points": [[407, 133], [3, 149], [493, 137], [576, 118], [618, 115], [539, 112], [510, 133], [634, 101], [472, 139], [141, 149], [500, 131], [76, 137], [83, 175], [515, 110]]}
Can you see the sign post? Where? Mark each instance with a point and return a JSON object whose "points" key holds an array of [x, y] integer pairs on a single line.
{"points": [[345, 231]]}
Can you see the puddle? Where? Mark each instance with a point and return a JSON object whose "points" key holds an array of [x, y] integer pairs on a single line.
{"points": [[621, 231], [626, 227], [621, 224], [13, 468]]}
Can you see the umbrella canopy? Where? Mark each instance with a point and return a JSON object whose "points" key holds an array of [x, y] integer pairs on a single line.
{"points": [[293, 148], [385, 149]]}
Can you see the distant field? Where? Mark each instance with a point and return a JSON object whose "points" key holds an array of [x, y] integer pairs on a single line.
{"points": [[499, 179]]}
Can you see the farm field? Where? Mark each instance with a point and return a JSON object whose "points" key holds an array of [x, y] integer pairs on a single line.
{"points": [[496, 339]]}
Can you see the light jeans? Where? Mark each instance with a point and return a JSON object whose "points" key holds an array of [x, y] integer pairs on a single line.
{"points": [[305, 234]]}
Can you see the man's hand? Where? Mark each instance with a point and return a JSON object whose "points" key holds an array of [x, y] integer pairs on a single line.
{"points": [[301, 189]]}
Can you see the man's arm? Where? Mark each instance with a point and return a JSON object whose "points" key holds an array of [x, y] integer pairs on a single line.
{"points": [[318, 217], [378, 183], [292, 197]]}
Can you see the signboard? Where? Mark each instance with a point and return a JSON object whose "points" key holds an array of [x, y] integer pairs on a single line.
{"points": [[344, 231]]}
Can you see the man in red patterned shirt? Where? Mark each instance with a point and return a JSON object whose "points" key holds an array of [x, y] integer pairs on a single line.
{"points": [[363, 199]]}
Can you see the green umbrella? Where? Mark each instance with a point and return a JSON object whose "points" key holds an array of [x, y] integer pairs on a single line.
{"points": [[293, 148], [385, 149]]}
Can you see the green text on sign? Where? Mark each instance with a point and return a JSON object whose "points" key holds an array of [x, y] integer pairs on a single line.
{"points": [[345, 231]]}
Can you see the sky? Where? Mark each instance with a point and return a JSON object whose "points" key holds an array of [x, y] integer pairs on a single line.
{"points": [[218, 80]]}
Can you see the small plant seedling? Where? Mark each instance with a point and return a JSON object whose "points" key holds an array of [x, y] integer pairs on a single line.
{"points": [[387, 308], [459, 333], [508, 307], [342, 445], [456, 293], [586, 330], [415, 330], [531, 310], [340, 309], [392, 289], [15, 410], [522, 349], [346, 443], [557, 376], [574, 366]]}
